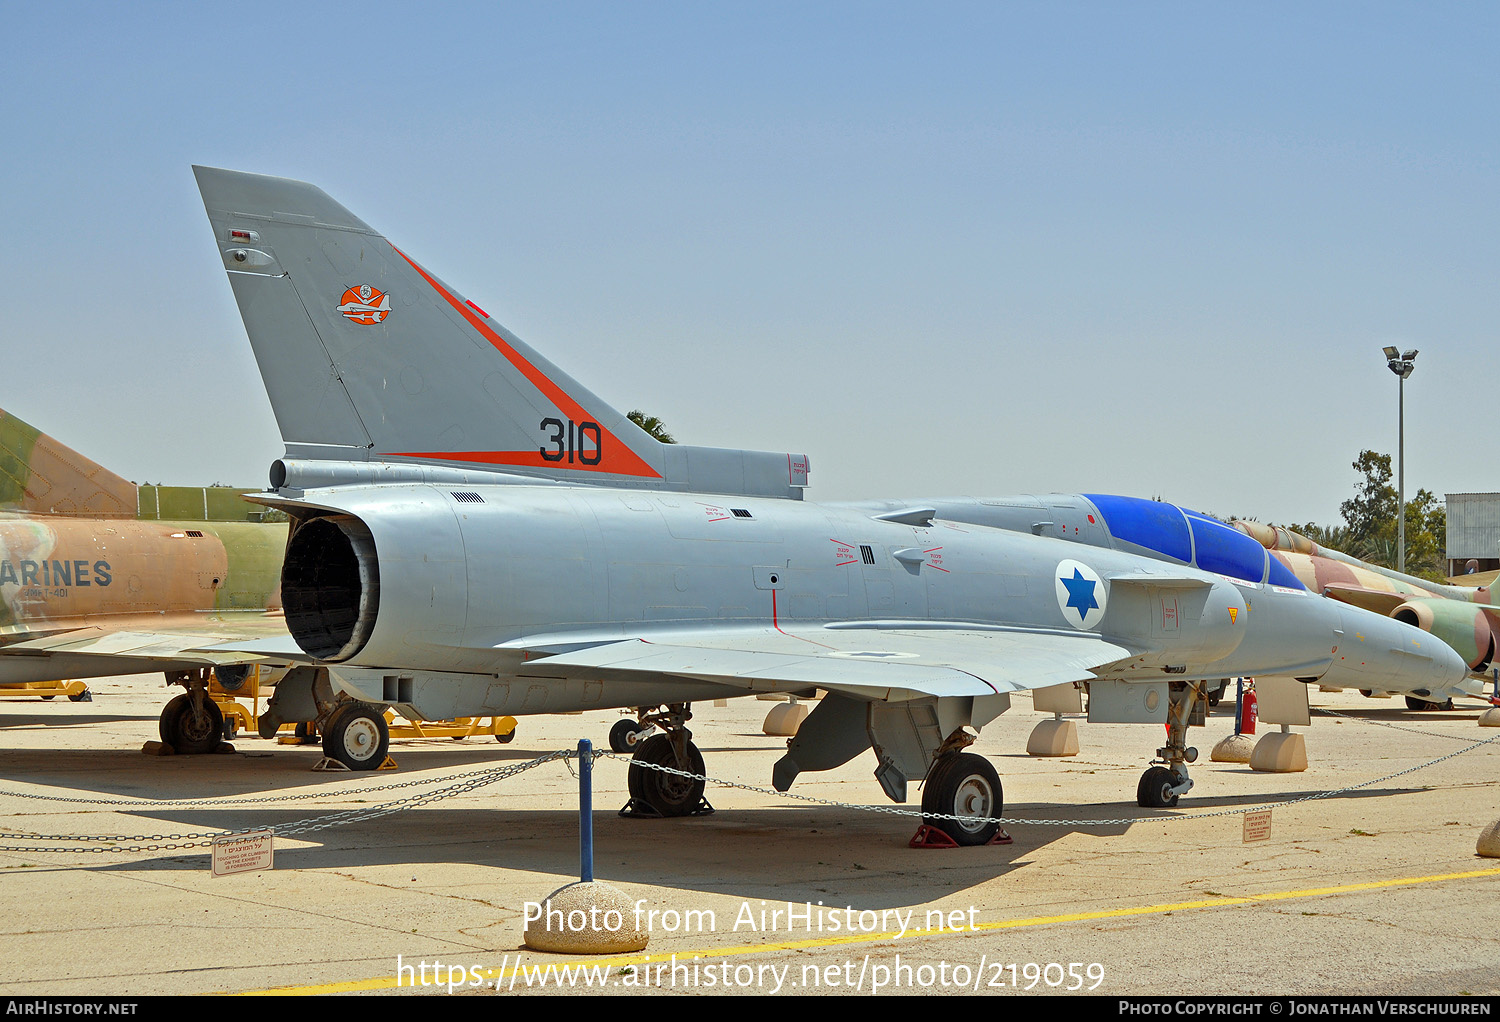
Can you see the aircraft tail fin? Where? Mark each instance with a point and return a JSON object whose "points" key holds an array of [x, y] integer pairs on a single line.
{"points": [[368, 356], [40, 475]]}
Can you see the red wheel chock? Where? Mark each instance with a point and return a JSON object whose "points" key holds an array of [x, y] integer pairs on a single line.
{"points": [[928, 836]]}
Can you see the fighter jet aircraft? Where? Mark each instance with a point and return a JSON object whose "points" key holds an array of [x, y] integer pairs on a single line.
{"points": [[475, 533], [1240, 550], [1465, 617], [99, 576]]}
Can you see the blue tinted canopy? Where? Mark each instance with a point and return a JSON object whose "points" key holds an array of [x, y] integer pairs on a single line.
{"points": [[1177, 534], [1226, 550], [1146, 523]]}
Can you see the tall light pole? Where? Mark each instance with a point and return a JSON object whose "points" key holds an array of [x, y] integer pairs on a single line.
{"points": [[1400, 363]]}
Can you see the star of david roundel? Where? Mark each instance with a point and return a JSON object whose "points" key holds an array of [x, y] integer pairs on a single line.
{"points": [[1081, 594]]}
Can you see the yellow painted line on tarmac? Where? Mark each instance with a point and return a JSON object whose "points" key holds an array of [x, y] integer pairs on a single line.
{"points": [[493, 976]]}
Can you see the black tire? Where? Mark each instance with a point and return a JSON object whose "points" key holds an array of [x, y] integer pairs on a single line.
{"points": [[191, 730], [303, 730], [1155, 789], [357, 737], [506, 738], [83, 697], [52, 696], [668, 794], [1414, 703], [964, 785], [619, 735]]}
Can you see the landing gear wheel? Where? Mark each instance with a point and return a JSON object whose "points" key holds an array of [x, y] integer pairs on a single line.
{"points": [[357, 737], [619, 735], [1155, 790], [191, 729], [964, 785], [668, 794], [1414, 703]]}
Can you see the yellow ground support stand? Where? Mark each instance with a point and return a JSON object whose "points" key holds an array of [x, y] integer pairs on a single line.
{"points": [[76, 691], [502, 728], [244, 718], [288, 734]]}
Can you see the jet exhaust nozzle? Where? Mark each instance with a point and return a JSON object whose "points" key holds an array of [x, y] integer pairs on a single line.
{"points": [[330, 586]]}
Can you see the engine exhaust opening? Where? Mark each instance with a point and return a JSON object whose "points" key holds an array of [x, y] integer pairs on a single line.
{"points": [[330, 587]]}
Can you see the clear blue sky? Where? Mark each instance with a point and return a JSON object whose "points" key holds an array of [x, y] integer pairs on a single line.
{"points": [[1152, 249]]}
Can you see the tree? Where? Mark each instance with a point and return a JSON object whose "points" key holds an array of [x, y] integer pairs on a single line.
{"points": [[1426, 536], [651, 424], [1370, 523], [1371, 513]]}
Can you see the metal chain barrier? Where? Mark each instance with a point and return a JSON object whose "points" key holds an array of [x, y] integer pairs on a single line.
{"points": [[466, 782], [1383, 723], [1097, 822], [476, 779], [167, 803]]}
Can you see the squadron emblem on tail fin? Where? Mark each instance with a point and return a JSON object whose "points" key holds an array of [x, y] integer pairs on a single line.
{"points": [[365, 304]]}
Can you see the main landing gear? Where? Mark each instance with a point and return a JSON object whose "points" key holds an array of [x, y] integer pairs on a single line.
{"points": [[1162, 784], [656, 792], [966, 786]]}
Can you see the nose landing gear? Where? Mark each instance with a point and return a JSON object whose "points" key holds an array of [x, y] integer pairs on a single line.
{"points": [[1162, 785]]}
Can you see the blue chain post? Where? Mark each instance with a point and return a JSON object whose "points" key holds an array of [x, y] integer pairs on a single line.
{"points": [[586, 810]]}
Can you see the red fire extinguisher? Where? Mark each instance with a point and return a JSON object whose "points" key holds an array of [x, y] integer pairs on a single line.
{"points": [[1248, 709]]}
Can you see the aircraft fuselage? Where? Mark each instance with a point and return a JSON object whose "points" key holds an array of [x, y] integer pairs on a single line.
{"points": [[60, 575], [441, 579]]}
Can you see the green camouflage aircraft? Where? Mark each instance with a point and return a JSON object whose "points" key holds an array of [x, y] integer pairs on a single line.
{"points": [[99, 576], [1466, 618]]}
